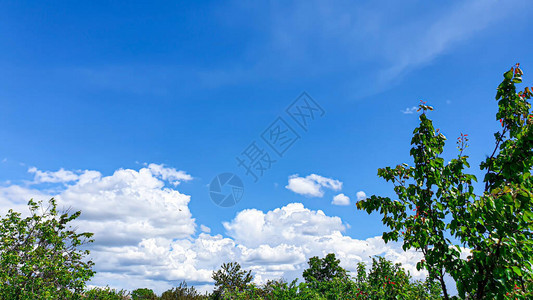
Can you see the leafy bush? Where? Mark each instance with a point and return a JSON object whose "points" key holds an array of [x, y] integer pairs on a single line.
{"points": [[105, 293], [325, 279], [386, 280], [40, 256], [143, 294], [182, 292]]}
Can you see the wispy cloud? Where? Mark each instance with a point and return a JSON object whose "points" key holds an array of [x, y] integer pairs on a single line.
{"points": [[420, 41], [60, 176], [312, 185], [169, 174], [410, 110], [387, 39]]}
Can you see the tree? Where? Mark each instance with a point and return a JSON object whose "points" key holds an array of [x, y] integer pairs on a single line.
{"points": [[324, 269], [326, 276], [143, 294], [436, 203], [386, 280], [104, 293], [40, 256], [181, 292], [231, 277]]}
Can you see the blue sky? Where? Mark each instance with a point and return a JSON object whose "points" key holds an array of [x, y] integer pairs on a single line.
{"points": [[103, 100]]}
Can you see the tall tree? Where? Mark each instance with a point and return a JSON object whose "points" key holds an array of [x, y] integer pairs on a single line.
{"points": [[324, 269], [143, 294], [231, 277], [436, 201]]}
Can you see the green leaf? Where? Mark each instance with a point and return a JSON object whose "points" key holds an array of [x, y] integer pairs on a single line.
{"points": [[517, 271], [508, 74]]}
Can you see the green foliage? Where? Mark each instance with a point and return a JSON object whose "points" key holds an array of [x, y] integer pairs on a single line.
{"points": [[106, 293], [326, 276], [181, 292], [437, 201], [325, 269], [40, 256], [231, 277], [384, 281], [143, 294]]}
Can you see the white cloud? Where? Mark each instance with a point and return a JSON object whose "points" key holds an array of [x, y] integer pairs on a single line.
{"points": [[53, 177], [410, 110], [341, 199], [296, 231], [134, 203], [205, 228], [169, 174], [16, 197], [312, 185], [292, 223], [145, 233], [360, 195]]}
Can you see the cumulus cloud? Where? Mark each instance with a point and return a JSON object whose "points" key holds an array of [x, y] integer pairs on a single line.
{"points": [[134, 203], [145, 233], [292, 223], [360, 195], [16, 197], [52, 177], [312, 185], [341, 199], [302, 233]]}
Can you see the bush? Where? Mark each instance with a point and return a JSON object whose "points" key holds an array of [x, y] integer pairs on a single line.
{"points": [[182, 292], [143, 294], [40, 256], [105, 293], [385, 280]]}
